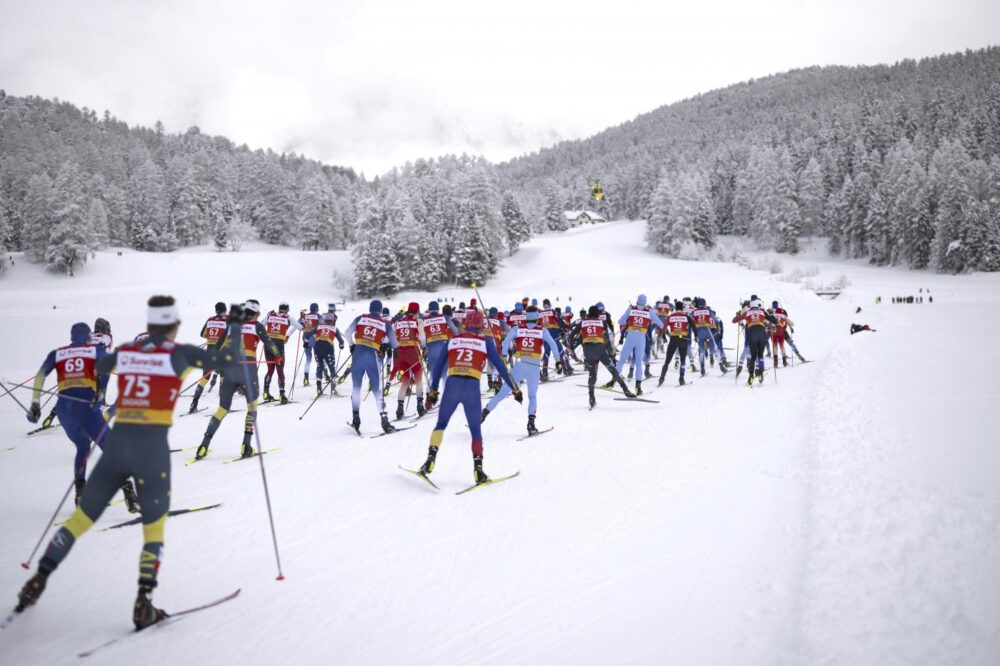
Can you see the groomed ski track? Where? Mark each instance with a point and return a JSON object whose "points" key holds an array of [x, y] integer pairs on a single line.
{"points": [[848, 514]]}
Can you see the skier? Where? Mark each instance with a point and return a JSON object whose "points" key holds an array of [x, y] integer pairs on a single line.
{"points": [[467, 353], [277, 324], [77, 407], [782, 332], [438, 329], [369, 333], [309, 322], [102, 334], [527, 342], [679, 325], [550, 321], [149, 379], [596, 339], [213, 332], [635, 323], [701, 315], [755, 319], [496, 328], [411, 347], [252, 333], [326, 364]]}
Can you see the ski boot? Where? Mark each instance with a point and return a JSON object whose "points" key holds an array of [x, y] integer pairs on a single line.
{"points": [[749, 378], [31, 591], [267, 397], [545, 374], [399, 410], [784, 361], [356, 422], [305, 379], [703, 368], [202, 449], [47, 423], [319, 387], [79, 485], [486, 412], [760, 375], [131, 499], [739, 369], [284, 399], [631, 372], [592, 399], [711, 361], [647, 374], [386, 426], [421, 410], [680, 381], [477, 470], [610, 384], [144, 613], [662, 379], [428, 466], [194, 401], [638, 389], [532, 430], [246, 450]]}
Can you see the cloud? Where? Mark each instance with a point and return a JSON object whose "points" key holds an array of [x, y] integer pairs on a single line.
{"points": [[374, 84]]}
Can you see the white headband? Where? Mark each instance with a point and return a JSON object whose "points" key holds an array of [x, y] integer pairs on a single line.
{"points": [[163, 315]]}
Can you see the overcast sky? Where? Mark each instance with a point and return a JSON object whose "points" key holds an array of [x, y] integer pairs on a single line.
{"points": [[374, 84]]}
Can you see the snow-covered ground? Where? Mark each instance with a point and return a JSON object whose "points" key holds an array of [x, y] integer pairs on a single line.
{"points": [[847, 514]]}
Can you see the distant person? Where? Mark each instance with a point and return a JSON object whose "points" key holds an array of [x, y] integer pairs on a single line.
{"points": [[857, 328]]}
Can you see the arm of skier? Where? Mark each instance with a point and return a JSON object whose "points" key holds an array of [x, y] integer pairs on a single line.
{"points": [[501, 367], [508, 339]]}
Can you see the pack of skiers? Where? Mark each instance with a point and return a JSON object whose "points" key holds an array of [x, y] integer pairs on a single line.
{"points": [[439, 355]]}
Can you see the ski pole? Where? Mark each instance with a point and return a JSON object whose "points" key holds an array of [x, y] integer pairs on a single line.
{"points": [[7, 391], [263, 473], [295, 373], [46, 392], [27, 563], [189, 386], [313, 402]]}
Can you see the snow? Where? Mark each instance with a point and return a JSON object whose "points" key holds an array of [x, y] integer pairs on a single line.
{"points": [[848, 514]]}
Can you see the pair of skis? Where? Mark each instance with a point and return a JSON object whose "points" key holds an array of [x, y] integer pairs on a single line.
{"points": [[475, 486]]}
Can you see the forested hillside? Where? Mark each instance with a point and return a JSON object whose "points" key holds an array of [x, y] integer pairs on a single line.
{"points": [[900, 164]]}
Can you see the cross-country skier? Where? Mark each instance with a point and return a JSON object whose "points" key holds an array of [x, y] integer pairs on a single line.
{"points": [[370, 333], [703, 320], [782, 333], [438, 329], [679, 325], [527, 341], [496, 327], [596, 339], [149, 379], [467, 354], [411, 345], [213, 332], [550, 320], [755, 319], [80, 394], [252, 333], [326, 363], [309, 321], [277, 325], [635, 323]]}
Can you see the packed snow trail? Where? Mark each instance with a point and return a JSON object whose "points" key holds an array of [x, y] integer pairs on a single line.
{"points": [[847, 514]]}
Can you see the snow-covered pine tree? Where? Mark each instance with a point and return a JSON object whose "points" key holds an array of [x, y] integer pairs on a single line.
{"points": [[38, 216], [553, 218], [148, 213], [97, 220], [71, 238], [473, 253], [811, 197], [658, 217], [185, 213], [836, 214], [515, 225]]}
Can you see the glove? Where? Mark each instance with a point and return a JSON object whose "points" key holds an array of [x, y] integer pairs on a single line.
{"points": [[34, 413], [388, 386], [559, 366], [518, 395], [352, 349], [342, 346], [236, 315]]}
